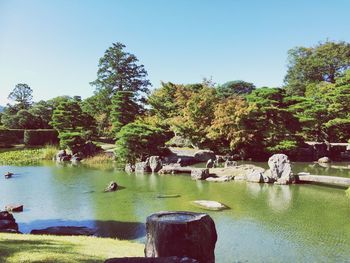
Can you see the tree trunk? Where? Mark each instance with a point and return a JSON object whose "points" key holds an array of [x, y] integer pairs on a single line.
{"points": [[181, 234]]}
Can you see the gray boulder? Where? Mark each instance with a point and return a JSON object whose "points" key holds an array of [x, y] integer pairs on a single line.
{"points": [[230, 163], [255, 177], [129, 168], [62, 156], [8, 223], [324, 160], [204, 155], [199, 173], [210, 164], [143, 167], [155, 163], [113, 186], [281, 170]]}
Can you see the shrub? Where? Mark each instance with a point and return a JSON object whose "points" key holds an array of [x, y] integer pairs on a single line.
{"points": [[137, 141], [40, 137], [72, 141]]}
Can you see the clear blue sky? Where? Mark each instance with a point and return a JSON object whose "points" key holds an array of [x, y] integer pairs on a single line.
{"points": [[54, 46]]}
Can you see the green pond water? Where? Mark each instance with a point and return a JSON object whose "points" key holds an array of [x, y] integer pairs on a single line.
{"points": [[265, 223]]}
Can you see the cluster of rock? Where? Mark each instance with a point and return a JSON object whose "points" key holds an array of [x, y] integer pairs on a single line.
{"points": [[89, 149], [8, 223]]}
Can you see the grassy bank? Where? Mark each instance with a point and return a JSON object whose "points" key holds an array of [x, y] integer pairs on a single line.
{"points": [[27, 156], [41, 248]]}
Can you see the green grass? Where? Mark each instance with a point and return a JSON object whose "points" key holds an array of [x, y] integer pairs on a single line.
{"points": [[27, 156], [41, 248], [348, 192], [101, 158]]}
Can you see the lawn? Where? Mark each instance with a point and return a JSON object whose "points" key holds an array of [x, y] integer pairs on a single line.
{"points": [[41, 248]]}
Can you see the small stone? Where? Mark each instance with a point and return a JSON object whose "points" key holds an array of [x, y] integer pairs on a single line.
{"points": [[210, 205], [199, 173]]}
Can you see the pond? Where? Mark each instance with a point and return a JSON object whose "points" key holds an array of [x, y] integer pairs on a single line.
{"points": [[265, 223]]}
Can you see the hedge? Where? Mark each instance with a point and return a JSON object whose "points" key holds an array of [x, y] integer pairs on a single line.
{"points": [[9, 137], [40, 137]]}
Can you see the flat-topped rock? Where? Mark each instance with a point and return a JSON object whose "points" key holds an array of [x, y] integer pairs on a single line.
{"points": [[221, 179], [64, 231], [14, 208], [204, 155], [210, 205]]}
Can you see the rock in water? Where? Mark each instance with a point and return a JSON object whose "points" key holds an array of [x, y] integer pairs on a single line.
{"points": [[210, 164], [204, 155], [324, 160], [143, 167], [181, 234], [199, 173], [255, 177], [210, 205], [14, 208], [155, 163], [281, 170], [111, 187], [8, 175], [129, 168]]}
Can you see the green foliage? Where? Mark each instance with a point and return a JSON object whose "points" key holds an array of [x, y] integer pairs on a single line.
{"points": [[323, 62], [136, 141], [234, 88], [21, 157], [72, 141], [124, 109], [40, 137], [69, 117]]}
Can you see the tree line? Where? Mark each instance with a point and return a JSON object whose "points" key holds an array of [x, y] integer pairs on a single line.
{"points": [[235, 117]]}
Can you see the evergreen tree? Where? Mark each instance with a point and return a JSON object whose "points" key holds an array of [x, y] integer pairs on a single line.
{"points": [[124, 109]]}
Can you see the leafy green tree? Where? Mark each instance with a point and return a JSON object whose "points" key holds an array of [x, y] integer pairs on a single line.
{"points": [[323, 62], [22, 95], [69, 117], [231, 127], [124, 109], [136, 141], [43, 111], [273, 127], [196, 116], [233, 88], [72, 141]]}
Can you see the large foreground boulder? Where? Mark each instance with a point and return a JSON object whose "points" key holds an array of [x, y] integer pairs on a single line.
{"points": [[281, 170], [8, 223], [204, 155], [181, 234]]}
